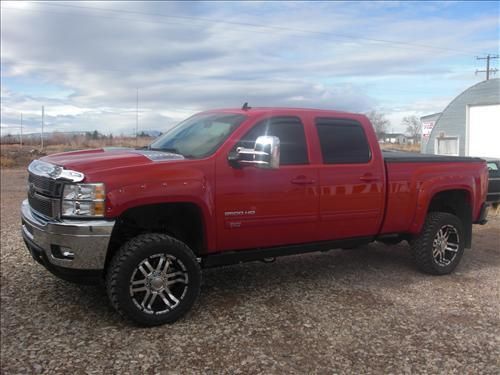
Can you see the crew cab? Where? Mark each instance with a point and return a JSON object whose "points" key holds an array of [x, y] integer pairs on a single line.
{"points": [[234, 185]]}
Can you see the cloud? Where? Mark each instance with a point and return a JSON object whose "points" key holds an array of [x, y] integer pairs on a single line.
{"points": [[183, 60]]}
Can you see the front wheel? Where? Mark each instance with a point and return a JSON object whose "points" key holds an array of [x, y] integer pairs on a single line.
{"points": [[439, 247], [153, 279]]}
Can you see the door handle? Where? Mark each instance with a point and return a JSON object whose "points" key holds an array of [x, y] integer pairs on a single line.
{"points": [[368, 178], [302, 180]]}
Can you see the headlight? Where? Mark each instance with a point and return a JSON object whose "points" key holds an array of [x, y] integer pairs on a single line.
{"points": [[83, 200]]}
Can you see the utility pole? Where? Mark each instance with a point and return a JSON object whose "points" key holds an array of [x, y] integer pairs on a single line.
{"points": [[21, 136], [43, 118], [488, 70], [137, 118]]}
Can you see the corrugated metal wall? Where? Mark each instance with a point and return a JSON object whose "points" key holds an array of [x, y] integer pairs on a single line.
{"points": [[452, 122]]}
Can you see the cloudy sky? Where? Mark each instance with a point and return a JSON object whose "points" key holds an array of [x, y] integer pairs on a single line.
{"points": [[84, 61]]}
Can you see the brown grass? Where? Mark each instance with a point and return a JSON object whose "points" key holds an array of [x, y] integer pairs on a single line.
{"points": [[396, 147], [15, 156], [6, 162]]}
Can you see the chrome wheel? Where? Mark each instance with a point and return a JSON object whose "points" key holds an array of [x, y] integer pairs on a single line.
{"points": [[159, 283], [445, 245]]}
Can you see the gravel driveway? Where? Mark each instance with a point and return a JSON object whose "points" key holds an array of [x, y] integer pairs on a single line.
{"points": [[360, 311]]}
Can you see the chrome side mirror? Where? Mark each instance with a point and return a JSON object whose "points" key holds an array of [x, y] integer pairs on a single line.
{"points": [[265, 154]]}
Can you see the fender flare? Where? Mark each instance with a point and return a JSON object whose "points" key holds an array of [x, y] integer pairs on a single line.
{"points": [[430, 188]]}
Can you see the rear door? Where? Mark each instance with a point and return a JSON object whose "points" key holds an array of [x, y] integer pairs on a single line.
{"points": [[268, 207], [351, 179]]}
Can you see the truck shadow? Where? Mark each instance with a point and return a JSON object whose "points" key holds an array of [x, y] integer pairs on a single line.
{"points": [[338, 265], [230, 286], [357, 272], [374, 265]]}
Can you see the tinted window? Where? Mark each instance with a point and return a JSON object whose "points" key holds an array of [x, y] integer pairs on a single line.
{"points": [[199, 135], [342, 141], [291, 134]]}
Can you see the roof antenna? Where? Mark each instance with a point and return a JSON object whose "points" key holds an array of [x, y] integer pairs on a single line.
{"points": [[246, 107]]}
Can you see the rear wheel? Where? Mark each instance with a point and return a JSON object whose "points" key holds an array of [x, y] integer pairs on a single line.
{"points": [[439, 247], [153, 279]]}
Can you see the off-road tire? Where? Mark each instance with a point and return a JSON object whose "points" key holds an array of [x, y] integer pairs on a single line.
{"points": [[422, 245], [124, 263]]}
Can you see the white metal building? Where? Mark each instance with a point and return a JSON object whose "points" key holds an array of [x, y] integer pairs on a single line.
{"points": [[468, 126]]}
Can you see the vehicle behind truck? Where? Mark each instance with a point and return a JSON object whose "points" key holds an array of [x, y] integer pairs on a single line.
{"points": [[235, 185]]}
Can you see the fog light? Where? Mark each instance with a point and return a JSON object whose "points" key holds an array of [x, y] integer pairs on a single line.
{"points": [[67, 253], [61, 252]]}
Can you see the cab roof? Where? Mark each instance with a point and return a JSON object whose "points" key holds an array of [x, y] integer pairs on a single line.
{"points": [[257, 111]]}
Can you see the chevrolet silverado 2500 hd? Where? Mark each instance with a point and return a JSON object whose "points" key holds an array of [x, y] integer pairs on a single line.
{"points": [[234, 185]]}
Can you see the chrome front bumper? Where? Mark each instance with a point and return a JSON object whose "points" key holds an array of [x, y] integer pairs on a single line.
{"points": [[71, 244]]}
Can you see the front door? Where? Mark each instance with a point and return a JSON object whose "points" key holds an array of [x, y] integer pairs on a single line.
{"points": [[268, 207]]}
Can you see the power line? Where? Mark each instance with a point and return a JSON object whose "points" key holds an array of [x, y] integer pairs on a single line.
{"points": [[401, 44], [183, 23], [137, 118], [255, 25], [488, 70], [121, 111], [43, 119]]}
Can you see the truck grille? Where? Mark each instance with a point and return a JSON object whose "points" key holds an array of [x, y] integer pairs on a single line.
{"points": [[44, 195], [45, 185], [42, 205]]}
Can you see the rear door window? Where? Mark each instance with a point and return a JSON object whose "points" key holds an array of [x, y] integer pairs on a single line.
{"points": [[342, 141]]}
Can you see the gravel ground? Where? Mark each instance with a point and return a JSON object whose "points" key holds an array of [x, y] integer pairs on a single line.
{"points": [[362, 311]]}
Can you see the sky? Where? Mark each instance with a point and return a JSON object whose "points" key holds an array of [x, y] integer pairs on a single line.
{"points": [[88, 62]]}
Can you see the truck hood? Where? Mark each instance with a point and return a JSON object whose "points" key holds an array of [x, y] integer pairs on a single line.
{"points": [[98, 160]]}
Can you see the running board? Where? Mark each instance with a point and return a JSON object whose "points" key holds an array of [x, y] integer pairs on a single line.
{"points": [[240, 256]]}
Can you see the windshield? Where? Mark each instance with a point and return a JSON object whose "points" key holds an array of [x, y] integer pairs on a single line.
{"points": [[200, 135]]}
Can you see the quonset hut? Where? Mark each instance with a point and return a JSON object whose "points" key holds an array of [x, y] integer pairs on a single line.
{"points": [[468, 126]]}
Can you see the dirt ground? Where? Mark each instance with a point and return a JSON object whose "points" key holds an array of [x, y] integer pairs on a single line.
{"points": [[361, 311]]}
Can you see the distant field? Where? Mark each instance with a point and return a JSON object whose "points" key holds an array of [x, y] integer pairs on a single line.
{"points": [[14, 156], [396, 147]]}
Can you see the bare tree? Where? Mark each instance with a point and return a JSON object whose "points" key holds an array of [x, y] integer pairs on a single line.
{"points": [[379, 122], [413, 127]]}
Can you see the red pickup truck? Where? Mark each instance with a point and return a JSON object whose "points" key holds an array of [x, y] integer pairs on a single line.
{"points": [[234, 185]]}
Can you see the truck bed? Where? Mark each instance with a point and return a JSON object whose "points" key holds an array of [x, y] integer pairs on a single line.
{"points": [[412, 176], [411, 157]]}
